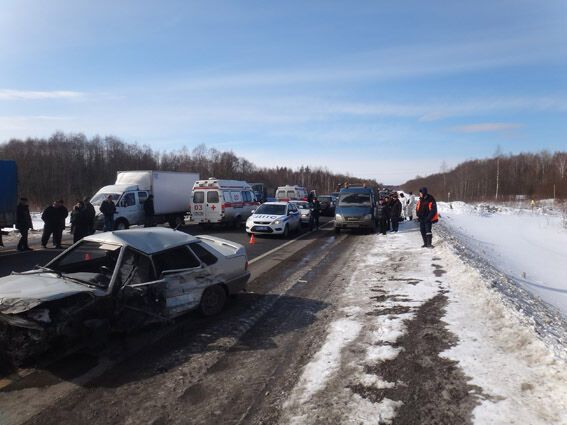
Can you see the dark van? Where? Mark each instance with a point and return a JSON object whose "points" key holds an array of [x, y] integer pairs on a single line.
{"points": [[356, 209]]}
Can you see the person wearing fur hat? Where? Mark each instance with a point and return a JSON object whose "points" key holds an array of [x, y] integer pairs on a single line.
{"points": [[426, 212]]}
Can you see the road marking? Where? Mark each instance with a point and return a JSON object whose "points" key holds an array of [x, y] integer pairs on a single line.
{"points": [[264, 255]]}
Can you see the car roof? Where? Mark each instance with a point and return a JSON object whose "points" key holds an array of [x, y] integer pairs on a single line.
{"points": [[276, 203], [149, 241]]}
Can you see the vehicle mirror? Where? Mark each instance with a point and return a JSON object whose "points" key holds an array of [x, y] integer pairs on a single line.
{"points": [[253, 211]]}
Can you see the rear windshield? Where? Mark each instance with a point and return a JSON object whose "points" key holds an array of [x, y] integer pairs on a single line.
{"points": [[198, 197], [271, 209], [213, 197], [355, 199], [325, 198]]}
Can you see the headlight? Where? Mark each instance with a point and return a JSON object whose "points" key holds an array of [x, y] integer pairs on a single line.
{"points": [[276, 222], [338, 217], [368, 217]]}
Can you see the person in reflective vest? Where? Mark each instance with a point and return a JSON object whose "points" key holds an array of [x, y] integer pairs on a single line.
{"points": [[426, 212]]}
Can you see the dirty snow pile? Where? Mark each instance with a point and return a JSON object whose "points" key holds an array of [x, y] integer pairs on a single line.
{"points": [[372, 366], [529, 247]]}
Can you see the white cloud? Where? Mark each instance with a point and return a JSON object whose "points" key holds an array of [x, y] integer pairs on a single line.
{"points": [[7, 94], [487, 127]]}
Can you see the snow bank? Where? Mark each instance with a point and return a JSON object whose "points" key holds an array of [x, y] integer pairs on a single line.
{"points": [[528, 247]]}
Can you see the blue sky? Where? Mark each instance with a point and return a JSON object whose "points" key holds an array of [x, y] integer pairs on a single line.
{"points": [[380, 89]]}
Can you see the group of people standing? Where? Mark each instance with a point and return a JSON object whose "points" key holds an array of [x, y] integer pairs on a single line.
{"points": [[396, 208]]}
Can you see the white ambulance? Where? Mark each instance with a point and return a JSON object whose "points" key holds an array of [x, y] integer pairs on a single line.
{"points": [[291, 193], [222, 201]]}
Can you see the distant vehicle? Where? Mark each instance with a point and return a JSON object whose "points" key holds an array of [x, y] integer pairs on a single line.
{"points": [[274, 218], [304, 208], [291, 193], [8, 193], [327, 205], [171, 190], [120, 281], [222, 201], [356, 209], [259, 190]]}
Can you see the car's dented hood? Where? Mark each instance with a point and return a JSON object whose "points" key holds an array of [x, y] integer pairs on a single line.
{"points": [[22, 292]]}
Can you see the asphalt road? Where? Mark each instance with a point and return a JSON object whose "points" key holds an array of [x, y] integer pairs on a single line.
{"points": [[12, 260]]}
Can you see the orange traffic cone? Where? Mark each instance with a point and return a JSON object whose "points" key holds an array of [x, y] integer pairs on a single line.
{"points": [[252, 239]]}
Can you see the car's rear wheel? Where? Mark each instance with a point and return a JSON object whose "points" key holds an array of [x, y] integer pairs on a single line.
{"points": [[212, 300]]}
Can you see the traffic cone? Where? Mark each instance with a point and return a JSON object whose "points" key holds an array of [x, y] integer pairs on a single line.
{"points": [[252, 239]]}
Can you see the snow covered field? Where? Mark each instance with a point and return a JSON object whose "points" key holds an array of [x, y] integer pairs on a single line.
{"points": [[530, 248], [421, 337]]}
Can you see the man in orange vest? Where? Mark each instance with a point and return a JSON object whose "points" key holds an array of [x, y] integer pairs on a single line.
{"points": [[426, 212]]}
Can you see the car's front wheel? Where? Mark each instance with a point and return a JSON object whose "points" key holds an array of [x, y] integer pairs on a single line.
{"points": [[212, 300], [285, 233]]}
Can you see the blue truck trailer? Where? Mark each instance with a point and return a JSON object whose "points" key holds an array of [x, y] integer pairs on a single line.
{"points": [[8, 193]]}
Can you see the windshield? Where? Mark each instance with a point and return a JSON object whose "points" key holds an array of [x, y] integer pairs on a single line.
{"points": [[271, 209], [347, 199], [302, 205], [89, 262], [99, 197], [325, 199]]}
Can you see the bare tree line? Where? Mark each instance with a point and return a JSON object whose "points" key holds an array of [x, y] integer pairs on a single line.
{"points": [[540, 175], [72, 166]]}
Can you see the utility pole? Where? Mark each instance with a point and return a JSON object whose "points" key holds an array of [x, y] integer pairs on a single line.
{"points": [[497, 176]]}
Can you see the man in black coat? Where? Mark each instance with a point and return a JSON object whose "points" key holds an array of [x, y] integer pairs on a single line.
{"points": [[426, 212], [49, 217], [80, 221], [108, 208], [61, 215], [149, 211], [315, 214], [396, 212], [23, 224], [383, 216], [90, 215]]}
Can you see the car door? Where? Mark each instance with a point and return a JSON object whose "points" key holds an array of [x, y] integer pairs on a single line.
{"points": [[294, 217], [130, 207], [185, 280]]}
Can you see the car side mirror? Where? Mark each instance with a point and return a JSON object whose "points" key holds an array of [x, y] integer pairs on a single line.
{"points": [[253, 211]]}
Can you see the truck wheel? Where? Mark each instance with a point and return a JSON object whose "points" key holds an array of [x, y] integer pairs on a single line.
{"points": [[121, 224], [212, 300], [237, 223]]}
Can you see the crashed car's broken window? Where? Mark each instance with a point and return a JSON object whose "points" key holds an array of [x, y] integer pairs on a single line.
{"points": [[91, 262], [204, 255], [135, 268], [175, 259]]}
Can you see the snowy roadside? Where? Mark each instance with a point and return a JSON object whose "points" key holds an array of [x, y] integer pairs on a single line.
{"points": [[420, 337]]}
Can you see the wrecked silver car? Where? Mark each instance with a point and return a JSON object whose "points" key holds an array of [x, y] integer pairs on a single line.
{"points": [[117, 281]]}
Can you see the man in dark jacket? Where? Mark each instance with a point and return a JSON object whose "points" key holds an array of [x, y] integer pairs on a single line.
{"points": [[315, 213], [149, 211], [426, 212], [396, 212], [90, 215], [23, 224], [107, 208], [49, 217], [383, 215], [80, 222], [62, 214]]}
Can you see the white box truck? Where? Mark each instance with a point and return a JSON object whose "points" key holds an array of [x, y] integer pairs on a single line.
{"points": [[171, 190]]}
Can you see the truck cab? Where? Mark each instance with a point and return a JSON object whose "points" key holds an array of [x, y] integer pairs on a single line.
{"points": [[129, 201]]}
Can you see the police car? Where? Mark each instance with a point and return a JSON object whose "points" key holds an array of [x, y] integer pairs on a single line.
{"points": [[274, 218]]}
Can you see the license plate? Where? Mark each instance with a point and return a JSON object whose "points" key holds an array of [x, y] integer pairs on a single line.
{"points": [[261, 228], [197, 212]]}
